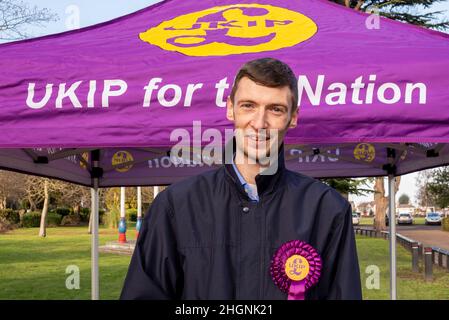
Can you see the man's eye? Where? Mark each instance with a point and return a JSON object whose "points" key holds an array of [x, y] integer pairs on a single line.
{"points": [[247, 105], [278, 109]]}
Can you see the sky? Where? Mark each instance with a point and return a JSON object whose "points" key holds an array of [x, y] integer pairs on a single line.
{"points": [[91, 12]]}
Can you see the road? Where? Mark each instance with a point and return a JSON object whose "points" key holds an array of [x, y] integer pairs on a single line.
{"points": [[428, 235]]}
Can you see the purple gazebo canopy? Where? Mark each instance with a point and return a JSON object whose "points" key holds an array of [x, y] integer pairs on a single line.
{"points": [[367, 85]]}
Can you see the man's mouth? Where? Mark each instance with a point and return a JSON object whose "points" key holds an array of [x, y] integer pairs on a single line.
{"points": [[257, 138]]}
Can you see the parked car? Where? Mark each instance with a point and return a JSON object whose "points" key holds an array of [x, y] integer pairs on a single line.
{"points": [[405, 218], [355, 219], [433, 218]]}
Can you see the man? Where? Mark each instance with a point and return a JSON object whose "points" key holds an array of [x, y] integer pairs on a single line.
{"points": [[213, 236]]}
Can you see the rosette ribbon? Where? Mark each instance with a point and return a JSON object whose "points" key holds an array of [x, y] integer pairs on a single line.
{"points": [[295, 268]]}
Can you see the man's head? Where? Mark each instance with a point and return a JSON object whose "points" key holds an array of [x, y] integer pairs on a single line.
{"points": [[263, 105]]}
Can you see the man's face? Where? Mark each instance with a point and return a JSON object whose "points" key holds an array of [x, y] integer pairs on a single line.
{"points": [[262, 116]]}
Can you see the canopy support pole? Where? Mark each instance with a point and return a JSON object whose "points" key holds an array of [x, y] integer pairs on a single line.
{"points": [[122, 223], [392, 225], [139, 211], [95, 174]]}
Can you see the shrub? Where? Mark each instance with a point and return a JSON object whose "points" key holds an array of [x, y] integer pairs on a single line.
{"points": [[102, 214], [71, 220], [33, 219], [63, 211], [84, 214], [112, 217], [5, 225], [131, 215], [10, 215], [53, 219]]}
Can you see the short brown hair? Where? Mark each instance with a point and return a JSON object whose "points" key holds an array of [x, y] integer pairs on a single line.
{"points": [[268, 72]]}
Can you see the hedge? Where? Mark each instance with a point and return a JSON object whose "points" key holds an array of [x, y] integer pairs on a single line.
{"points": [[63, 211], [131, 215], [33, 219], [10, 215]]}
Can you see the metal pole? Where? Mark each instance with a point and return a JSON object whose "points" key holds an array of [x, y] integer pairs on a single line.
{"points": [[392, 225], [95, 285], [428, 263], [139, 201], [122, 202], [139, 211], [415, 257], [122, 223]]}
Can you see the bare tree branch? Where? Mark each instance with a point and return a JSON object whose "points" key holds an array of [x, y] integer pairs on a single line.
{"points": [[16, 15]]}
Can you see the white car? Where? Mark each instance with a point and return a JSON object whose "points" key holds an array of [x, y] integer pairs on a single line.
{"points": [[405, 218], [355, 219], [433, 218]]}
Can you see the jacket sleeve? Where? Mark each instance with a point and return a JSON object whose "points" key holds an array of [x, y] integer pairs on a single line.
{"points": [[341, 274], [155, 271]]}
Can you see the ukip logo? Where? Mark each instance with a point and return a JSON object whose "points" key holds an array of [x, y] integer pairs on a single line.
{"points": [[122, 157], [365, 152], [233, 29]]}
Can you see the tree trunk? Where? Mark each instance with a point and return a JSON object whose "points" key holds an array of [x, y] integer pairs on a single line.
{"points": [[32, 204], [3, 203], [43, 226], [381, 202]]}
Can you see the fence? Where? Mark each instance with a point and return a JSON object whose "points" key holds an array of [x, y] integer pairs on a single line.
{"points": [[429, 255]]}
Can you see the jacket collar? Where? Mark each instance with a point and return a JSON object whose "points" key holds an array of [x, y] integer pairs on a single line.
{"points": [[266, 183]]}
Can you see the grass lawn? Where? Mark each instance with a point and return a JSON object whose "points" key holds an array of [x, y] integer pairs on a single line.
{"points": [[410, 285], [34, 268], [368, 221]]}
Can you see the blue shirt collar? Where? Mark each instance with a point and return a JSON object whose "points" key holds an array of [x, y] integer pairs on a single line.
{"points": [[253, 197]]}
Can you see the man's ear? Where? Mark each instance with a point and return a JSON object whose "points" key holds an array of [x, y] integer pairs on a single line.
{"points": [[294, 119], [229, 109]]}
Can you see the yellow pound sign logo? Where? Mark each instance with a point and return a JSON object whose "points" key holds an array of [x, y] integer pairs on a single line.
{"points": [[365, 152], [233, 29], [297, 267], [122, 157]]}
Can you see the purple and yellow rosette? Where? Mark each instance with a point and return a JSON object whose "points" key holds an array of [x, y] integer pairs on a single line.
{"points": [[295, 268]]}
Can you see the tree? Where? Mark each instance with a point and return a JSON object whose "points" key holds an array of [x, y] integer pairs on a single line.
{"points": [[43, 224], [11, 187], [438, 187], [346, 186], [404, 199], [381, 203], [111, 201], [15, 15], [423, 195], [38, 191], [402, 10]]}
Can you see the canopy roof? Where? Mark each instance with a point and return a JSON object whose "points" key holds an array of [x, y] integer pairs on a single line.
{"points": [[366, 85]]}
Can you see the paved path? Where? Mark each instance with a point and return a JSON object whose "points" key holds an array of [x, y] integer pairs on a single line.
{"points": [[431, 236], [428, 235]]}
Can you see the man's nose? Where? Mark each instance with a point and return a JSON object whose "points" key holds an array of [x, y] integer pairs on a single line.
{"points": [[260, 119]]}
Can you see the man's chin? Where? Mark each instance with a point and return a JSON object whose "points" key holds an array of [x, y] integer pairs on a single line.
{"points": [[259, 156]]}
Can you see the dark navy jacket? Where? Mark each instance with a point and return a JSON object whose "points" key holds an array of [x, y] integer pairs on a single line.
{"points": [[204, 239]]}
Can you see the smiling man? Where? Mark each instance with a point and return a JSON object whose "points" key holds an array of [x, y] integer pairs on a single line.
{"points": [[214, 236]]}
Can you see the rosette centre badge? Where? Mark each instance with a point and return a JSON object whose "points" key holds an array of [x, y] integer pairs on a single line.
{"points": [[295, 268]]}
